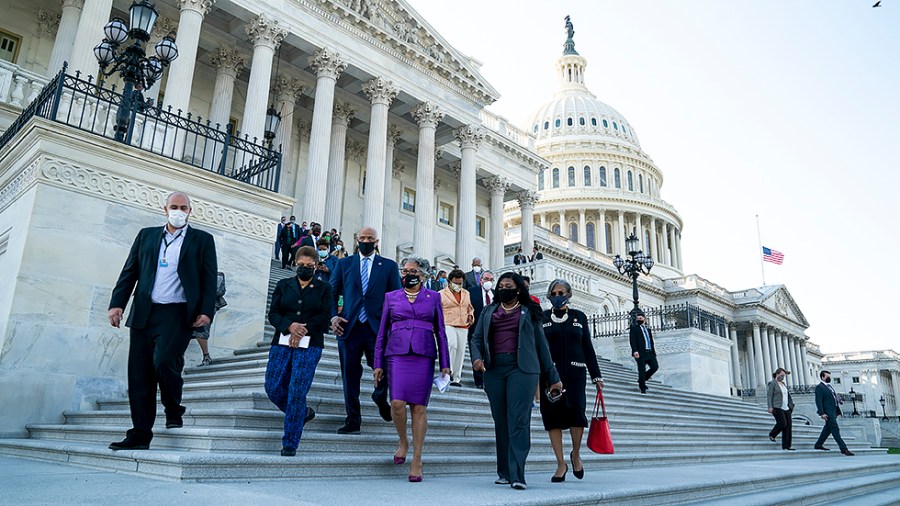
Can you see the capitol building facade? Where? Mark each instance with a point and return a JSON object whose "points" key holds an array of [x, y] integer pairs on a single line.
{"points": [[383, 123]]}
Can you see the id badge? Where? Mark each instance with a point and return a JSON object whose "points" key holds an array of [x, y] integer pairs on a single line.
{"points": [[163, 262]]}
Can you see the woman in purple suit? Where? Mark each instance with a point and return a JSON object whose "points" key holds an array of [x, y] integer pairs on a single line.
{"points": [[411, 337]]}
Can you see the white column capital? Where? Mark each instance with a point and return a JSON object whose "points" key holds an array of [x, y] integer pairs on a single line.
{"points": [[527, 198], [288, 89], [327, 63], [201, 7], [163, 27], [48, 23], [380, 91], [427, 114], [72, 3], [343, 111], [497, 185], [393, 135], [469, 136], [227, 61], [263, 31], [397, 168], [456, 168]]}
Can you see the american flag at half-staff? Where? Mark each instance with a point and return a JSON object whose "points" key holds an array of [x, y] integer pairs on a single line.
{"points": [[770, 255]]}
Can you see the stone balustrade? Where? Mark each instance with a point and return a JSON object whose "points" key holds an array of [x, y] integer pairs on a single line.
{"points": [[18, 87]]}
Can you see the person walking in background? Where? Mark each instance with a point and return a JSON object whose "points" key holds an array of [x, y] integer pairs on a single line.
{"points": [[481, 297], [510, 348], [201, 334], [828, 407], [172, 272], [312, 239], [569, 339], [642, 349], [360, 282], [290, 234], [780, 405], [281, 226], [410, 338], [473, 277], [339, 251], [326, 263], [459, 315], [300, 312]]}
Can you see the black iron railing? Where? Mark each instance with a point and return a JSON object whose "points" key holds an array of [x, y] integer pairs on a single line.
{"points": [[92, 107], [802, 390], [747, 392], [660, 319]]}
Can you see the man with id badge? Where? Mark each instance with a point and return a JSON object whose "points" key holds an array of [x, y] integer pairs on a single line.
{"points": [[172, 272]]}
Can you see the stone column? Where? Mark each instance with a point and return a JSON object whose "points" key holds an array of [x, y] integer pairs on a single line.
{"points": [[393, 135], [228, 64], [527, 199], [767, 352], [779, 350], [620, 224], [498, 186], [266, 35], [792, 359], [582, 228], [678, 249], [895, 380], [328, 66], [638, 232], [65, 35], [735, 361], [665, 256], [773, 350], [601, 230], [334, 189], [799, 376], [672, 256], [469, 136], [563, 226], [427, 115], [543, 220], [654, 251], [381, 93], [752, 357], [287, 91], [94, 14], [804, 360], [760, 360], [181, 71]]}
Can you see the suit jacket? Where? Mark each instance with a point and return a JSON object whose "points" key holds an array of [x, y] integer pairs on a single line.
{"points": [[308, 240], [638, 344], [774, 397], [457, 314], [310, 306], [197, 267], [289, 234], [533, 353], [476, 296], [520, 259], [280, 229], [537, 256], [825, 403], [471, 280], [346, 281], [412, 328]]}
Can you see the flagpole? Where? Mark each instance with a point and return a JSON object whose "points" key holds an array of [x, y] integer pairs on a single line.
{"points": [[762, 265]]}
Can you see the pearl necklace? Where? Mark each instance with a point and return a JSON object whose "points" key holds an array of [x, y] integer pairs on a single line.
{"points": [[510, 310], [559, 319], [411, 296]]}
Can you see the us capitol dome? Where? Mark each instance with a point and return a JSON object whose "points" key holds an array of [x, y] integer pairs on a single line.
{"points": [[601, 186]]}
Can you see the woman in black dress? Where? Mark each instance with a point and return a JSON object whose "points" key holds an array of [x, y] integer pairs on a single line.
{"points": [[570, 346]]}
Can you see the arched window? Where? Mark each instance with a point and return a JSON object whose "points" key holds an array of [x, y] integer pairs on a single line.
{"points": [[615, 125], [557, 123], [546, 125], [608, 233], [617, 178], [647, 241], [556, 229], [569, 122], [602, 176], [587, 176], [605, 309], [581, 121], [573, 232], [641, 182], [535, 128], [570, 173], [556, 177], [593, 121], [605, 124], [630, 182], [589, 232], [541, 179]]}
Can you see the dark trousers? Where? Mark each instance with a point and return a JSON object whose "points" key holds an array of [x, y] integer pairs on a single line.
{"points": [[358, 343], [782, 426], [156, 357], [287, 256], [510, 392], [831, 428], [645, 374], [477, 376], [289, 374]]}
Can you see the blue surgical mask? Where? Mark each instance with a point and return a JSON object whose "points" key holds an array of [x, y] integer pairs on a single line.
{"points": [[323, 253], [558, 301]]}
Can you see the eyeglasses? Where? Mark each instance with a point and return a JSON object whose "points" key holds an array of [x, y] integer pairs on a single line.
{"points": [[307, 265], [410, 271]]}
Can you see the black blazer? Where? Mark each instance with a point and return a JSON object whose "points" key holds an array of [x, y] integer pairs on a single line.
{"points": [[307, 240], [825, 404], [533, 354], [471, 280], [573, 347], [197, 268], [289, 234], [310, 306], [637, 341], [476, 294]]}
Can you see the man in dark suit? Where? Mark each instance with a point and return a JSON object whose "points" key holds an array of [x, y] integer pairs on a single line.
{"points": [[312, 239], [536, 255], [289, 235], [520, 258], [828, 406], [481, 296], [643, 349], [174, 268], [281, 226], [362, 280], [473, 277]]}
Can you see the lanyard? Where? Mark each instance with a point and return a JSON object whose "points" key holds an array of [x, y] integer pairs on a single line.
{"points": [[169, 243]]}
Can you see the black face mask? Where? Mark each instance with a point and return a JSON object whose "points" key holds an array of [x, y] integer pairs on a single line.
{"points": [[366, 248], [410, 280], [305, 273], [828, 379], [507, 295]]}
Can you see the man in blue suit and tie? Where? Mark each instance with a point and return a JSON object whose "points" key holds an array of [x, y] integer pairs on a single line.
{"points": [[363, 280], [828, 407]]}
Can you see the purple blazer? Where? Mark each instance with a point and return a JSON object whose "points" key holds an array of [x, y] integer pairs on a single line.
{"points": [[412, 328]]}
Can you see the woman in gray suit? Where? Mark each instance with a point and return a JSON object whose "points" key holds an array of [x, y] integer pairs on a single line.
{"points": [[780, 404], [508, 344]]}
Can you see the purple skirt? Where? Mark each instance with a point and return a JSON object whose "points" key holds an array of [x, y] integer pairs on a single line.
{"points": [[410, 378]]}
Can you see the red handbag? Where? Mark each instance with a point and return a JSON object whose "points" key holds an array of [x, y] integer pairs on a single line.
{"points": [[599, 437]]}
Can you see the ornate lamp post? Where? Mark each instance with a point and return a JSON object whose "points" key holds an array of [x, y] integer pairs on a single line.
{"points": [[137, 70], [853, 396], [273, 119], [883, 412], [634, 266]]}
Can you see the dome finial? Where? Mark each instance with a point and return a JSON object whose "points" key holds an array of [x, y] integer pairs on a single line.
{"points": [[569, 47]]}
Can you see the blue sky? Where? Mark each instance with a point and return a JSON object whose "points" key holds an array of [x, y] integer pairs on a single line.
{"points": [[786, 109]]}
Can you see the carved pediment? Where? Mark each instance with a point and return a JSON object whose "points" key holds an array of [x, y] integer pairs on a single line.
{"points": [[780, 302]]}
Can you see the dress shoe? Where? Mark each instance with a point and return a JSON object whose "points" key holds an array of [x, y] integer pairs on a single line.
{"points": [[384, 409], [310, 414], [348, 429], [643, 390], [847, 452], [501, 481], [560, 479], [173, 422], [288, 452], [415, 479], [455, 384], [821, 448], [788, 449], [576, 473], [518, 485], [772, 439], [131, 442]]}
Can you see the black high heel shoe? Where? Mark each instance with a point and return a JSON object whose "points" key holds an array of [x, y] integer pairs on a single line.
{"points": [[576, 473], [560, 479]]}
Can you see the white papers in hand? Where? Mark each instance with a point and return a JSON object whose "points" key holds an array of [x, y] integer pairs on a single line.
{"points": [[285, 340], [442, 382]]}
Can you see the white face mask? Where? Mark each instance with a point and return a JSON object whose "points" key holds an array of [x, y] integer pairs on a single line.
{"points": [[488, 285], [476, 268], [455, 287], [338, 247], [177, 218]]}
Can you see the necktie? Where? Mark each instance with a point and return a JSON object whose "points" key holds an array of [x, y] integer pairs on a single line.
{"points": [[364, 276], [646, 336], [487, 297]]}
